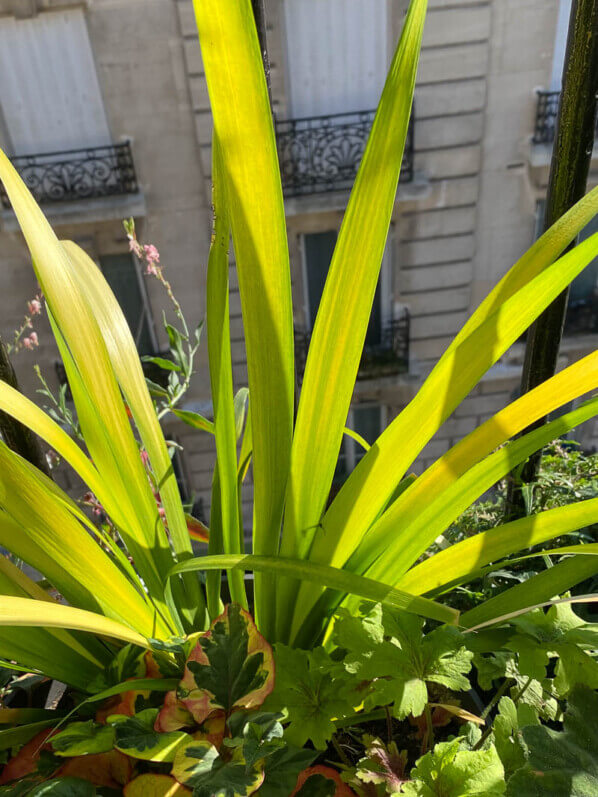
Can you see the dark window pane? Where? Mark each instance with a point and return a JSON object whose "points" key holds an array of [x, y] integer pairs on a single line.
{"points": [[319, 248], [120, 272]]}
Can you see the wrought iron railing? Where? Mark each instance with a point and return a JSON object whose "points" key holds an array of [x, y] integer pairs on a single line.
{"points": [[546, 115], [77, 174], [388, 357], [322, 153]]}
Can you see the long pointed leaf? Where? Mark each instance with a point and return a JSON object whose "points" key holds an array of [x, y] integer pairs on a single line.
{"points": [[244, 127], [540, 588], [329, 576], [221, 378], [490, 546], [25, 612]]}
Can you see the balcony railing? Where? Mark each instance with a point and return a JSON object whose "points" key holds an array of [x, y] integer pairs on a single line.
{"points": [[546, 115], [387, 358], [322, 153], [77, 174]]}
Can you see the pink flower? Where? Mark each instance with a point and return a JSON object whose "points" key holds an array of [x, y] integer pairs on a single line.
{"points": [[31, 342], [151, 270], [34, 307], [151, 254]]}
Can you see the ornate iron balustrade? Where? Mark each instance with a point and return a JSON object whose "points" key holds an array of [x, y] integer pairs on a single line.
{"points": [[389, 357], [77, 174], [322, 153], [546, 115]]}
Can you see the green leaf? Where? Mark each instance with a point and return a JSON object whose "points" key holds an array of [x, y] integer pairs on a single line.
{"points": [[562, 763], [135, 736], [233, 66], [258, 733], [221, 378], [448, 772], [509, 720], [282, 768], [83, 738], [166, 365], [199, 766], [332, 577], [64, 787], [344, 312], [195, 420], [231, 666], [313, 690]]}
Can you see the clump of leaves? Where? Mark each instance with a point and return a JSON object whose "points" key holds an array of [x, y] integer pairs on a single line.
{"points": [[399, 662], [207, 736]]}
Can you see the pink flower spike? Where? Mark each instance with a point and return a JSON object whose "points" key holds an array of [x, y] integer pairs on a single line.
{"points": [[28, 343], [151, 270], [34, 307], [34, 339]]}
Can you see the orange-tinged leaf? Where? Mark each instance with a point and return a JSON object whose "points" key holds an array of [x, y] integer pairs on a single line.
{"points": [[342, 790], [25, 761], [197, 530], [173, 715], [149, 785], [230, 667], [112, 770], [213, 730]]}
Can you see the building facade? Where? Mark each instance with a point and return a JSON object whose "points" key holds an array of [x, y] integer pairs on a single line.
{"points": [[115, 91]]}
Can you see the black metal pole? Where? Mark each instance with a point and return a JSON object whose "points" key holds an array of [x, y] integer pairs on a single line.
{"points": [[17, 436], [259, 14], [571, 156]]}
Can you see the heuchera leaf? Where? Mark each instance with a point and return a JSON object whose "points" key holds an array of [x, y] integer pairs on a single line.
{"points": [[565, 763], [231, 666], [199, 766], [82, 738], [383, 765], [63, 787], [448, 771], [150, 785], [111, 770], [173, 715], [136, 737]]}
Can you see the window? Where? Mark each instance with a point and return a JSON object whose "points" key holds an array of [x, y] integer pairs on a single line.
{"points": [[49, 89], [337, 55], [123, 276], [368, 420], [582, 310], [317, 254]]}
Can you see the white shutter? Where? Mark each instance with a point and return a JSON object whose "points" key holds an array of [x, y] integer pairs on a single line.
{"points": [[336, 55], [49, 90]]}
